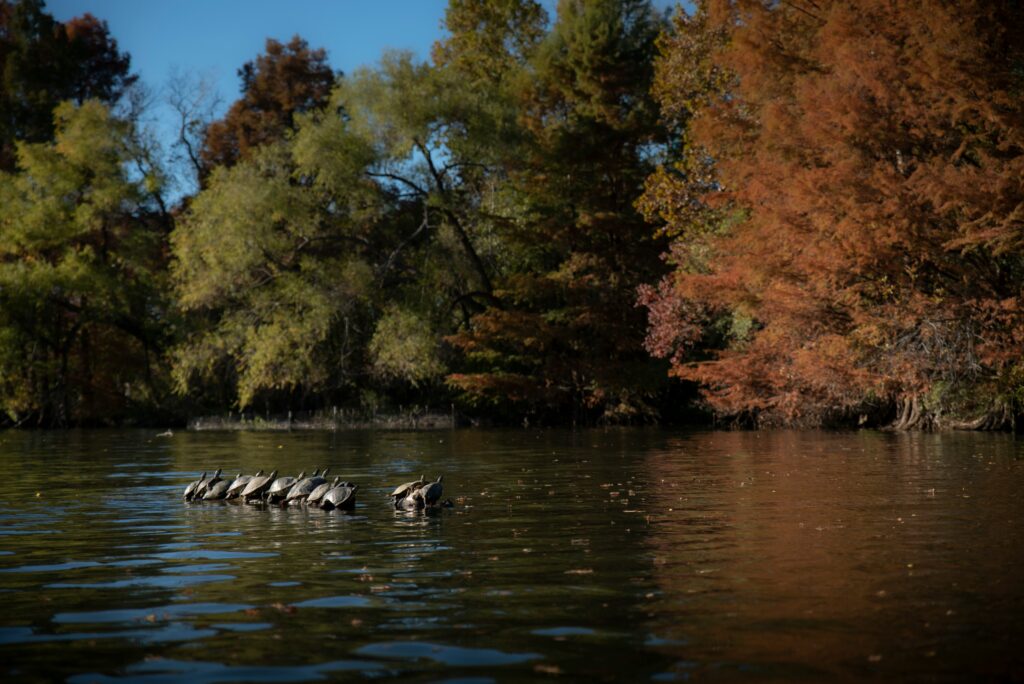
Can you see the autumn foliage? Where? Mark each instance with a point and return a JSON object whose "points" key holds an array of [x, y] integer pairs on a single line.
{"points": [[858, 247], [44, 61], [806, 212], [288, 78]]}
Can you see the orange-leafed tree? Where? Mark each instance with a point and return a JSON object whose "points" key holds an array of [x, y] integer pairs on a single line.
{"points": [[864, 260], [285, 80]]}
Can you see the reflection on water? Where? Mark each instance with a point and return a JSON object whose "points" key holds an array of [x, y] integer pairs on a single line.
{"points": [[630, 555]]}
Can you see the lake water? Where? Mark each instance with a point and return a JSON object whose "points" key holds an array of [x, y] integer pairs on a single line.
{"points": [[619, 555]]}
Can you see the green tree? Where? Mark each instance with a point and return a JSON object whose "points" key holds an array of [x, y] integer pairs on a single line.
{"points": [[360, 248], [271, 261], [82, 317], [565, 339]]}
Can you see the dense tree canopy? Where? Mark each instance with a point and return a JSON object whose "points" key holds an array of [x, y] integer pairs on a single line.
{"points": [[811, 211], [868, 192], [82, 290], [287, 79], [565, 337], [43, 62]]}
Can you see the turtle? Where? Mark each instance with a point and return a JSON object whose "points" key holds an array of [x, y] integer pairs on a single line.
{"points": [[301, 489], [191, 489], [413, 501], [432, 492], [343, 496], [205, 487], [404, 490], [203, 484], [219, 489], [236, 487], [257, 485], [279, 489], [318, 493]]}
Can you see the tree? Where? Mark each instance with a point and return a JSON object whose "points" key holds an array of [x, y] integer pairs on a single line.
{"points": [[489, 40], [274, 270], [82, 317], [565, 338], [286, 80], [868, 157], [43, 62], [361, 247]]}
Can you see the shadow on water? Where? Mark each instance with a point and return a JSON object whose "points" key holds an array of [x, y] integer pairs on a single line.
{"points": [[615, 555]]}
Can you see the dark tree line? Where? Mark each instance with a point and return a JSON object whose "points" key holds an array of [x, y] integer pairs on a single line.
{"points": [[807, 212]]}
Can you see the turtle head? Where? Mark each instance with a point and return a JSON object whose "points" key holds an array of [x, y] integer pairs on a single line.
{"points": [[273, 474], [324, 474], [301, 475], [439, 478], [337, 480], [316, 471], [258, 472], [217, 474]]}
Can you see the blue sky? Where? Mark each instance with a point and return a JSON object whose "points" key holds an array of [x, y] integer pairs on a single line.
{"points": [[216, 37]]}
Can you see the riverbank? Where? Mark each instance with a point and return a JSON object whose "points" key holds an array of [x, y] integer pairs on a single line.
{"points": [[335, 419]]}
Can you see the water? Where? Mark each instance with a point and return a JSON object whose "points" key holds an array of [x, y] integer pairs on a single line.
{"points": [[628, 555]]}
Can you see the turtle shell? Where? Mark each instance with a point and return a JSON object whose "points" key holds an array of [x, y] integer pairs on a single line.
{"points": [[239, 483], [190, 490], [217, 491], [257, 485], [203, 487], [318, 493], [403, 490], [412, 502], [432, 492], [342, 496], [303, 488]]}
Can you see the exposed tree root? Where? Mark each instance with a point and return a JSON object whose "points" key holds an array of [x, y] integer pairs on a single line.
{"points": [[912, 415], [999, 417]]}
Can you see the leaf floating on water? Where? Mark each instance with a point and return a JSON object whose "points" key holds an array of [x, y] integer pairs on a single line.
{"points": [[580, 571], [547, 669], [377, 588], [874, 658], [284, 608]]}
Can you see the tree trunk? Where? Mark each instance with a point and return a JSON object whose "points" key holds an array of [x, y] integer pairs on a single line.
{"points": [[999, 417], [912, 415]]}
